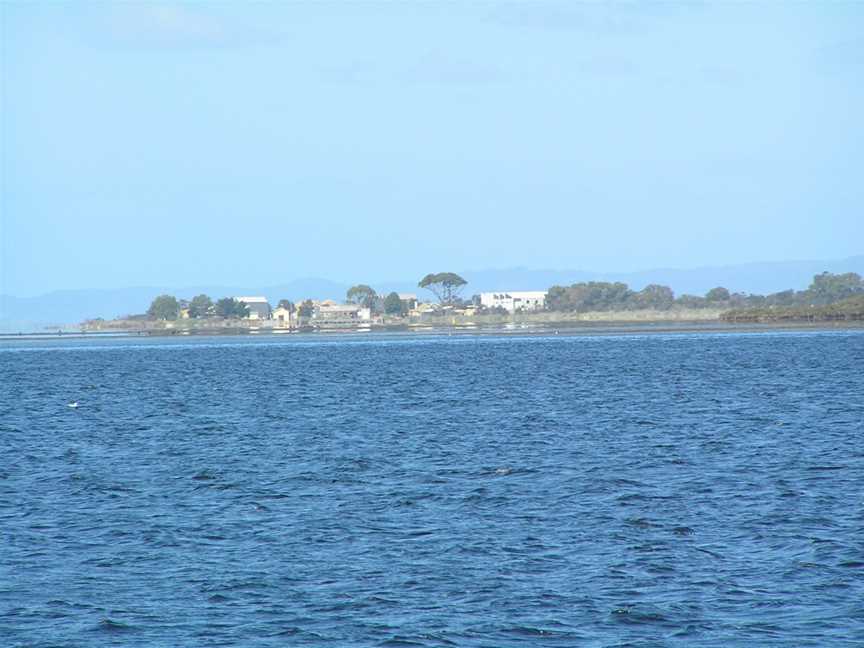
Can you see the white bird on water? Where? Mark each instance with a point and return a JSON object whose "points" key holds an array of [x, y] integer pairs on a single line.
{"points": [[72, 404]]}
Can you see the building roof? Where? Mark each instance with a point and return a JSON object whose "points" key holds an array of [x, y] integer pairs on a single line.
{"points": [[339, 308], [407, 296], [530, 294], [252, 300]]}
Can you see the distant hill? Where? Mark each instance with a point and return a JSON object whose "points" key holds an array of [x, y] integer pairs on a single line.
{"points": [[68, 307]]}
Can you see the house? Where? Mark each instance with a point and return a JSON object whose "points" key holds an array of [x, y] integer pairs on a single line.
{"points": [[259, 308], [424, 310], [282, 317], [514, 300], [329, 315]]}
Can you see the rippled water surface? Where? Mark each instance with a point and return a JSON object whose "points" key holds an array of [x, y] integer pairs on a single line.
{"points": [[692, 490]]}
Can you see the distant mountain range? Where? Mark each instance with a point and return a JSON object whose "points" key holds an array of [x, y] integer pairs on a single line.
{"points": [[64, 308]]}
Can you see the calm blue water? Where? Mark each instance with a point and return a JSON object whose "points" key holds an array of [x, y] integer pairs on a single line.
{"points": [[680, 490]]}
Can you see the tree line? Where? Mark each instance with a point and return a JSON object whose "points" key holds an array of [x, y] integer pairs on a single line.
{"points": [[826, 288], [168, 307], [829, 297]]}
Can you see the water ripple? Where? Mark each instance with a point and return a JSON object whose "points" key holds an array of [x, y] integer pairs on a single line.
{"points": [[545, 491]]}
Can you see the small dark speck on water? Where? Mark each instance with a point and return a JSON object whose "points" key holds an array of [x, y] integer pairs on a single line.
{"points": [[480, 491]]}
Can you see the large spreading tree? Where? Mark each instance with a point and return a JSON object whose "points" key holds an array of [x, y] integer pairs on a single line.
{"points": [[446, 286], [362, 295]]}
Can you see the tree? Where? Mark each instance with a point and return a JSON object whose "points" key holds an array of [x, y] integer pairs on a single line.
{"points": [[286, 304], [224, 307], [589, 296], [718, 294], [164, 307], [557, 298], [306, 308], [228, 307], [393, 305], [446, 286], [784, 298], [827, 288], [654, 296], [200, 306], [690, 301], [361, 294]]}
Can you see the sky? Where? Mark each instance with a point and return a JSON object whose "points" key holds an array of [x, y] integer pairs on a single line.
{"points": [[254, 143]]}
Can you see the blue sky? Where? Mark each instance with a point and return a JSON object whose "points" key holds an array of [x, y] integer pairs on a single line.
{"points": [[243, 143]]}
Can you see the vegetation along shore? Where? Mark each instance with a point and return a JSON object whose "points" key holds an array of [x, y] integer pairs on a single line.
{"points": [[837, 298]]}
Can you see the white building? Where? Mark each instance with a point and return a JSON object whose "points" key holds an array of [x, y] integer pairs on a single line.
{"points": [[259, 307], [513, 300], [340, 315]]}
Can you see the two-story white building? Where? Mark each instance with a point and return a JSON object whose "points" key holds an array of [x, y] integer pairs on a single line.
{"points": [[514, 300], [330, 315]]}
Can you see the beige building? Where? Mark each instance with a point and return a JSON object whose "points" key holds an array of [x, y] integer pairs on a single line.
{"points": [[282, 318], [425, 309]]}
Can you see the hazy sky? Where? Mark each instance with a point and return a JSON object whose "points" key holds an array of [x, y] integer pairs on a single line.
{"points": [[243, 143]]}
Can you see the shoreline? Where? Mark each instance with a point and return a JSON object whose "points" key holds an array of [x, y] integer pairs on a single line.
{"points": [[567, 328]]}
